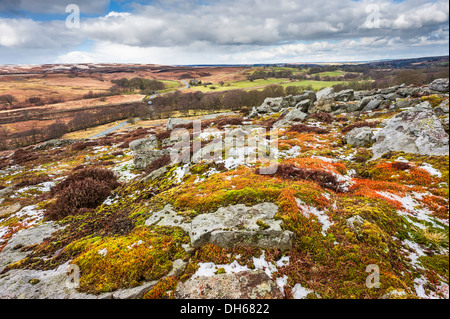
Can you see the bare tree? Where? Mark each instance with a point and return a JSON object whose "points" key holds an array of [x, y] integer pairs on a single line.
{"points": [[8, 98]]}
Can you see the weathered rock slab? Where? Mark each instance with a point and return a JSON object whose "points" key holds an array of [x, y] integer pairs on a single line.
{"points": [[359, 137], [417, 130], [242, 285], [230, 226]]}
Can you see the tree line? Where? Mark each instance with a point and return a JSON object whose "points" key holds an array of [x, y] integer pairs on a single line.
{"points": [[81, 121]]}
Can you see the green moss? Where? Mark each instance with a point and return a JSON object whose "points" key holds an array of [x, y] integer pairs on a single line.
{"points": [[434, 99], [437, 263], [262, 225], [220, 271], [110, 263]]}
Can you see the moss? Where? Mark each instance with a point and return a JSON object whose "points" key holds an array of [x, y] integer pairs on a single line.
{"points": [[437, 263], [434, 99], [34, 281], [262, 225], [163, 289], [107, 264], [220, 271]]}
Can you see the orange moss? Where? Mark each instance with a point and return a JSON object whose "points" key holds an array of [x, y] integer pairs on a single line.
{"points": [[162, 288], [316, 163], [413, 175], [241, 186], [303, 140], [291, 214], [438, 205], [368, 188]]}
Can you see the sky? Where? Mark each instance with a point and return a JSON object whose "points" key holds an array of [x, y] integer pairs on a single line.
{"points": [[186, 32]]}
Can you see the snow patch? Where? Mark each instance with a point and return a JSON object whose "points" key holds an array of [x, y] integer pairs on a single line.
{"points": [[320, 215], [300, 292]]}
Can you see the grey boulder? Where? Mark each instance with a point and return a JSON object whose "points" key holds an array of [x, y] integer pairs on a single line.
{"points": [[439, 85], [417, 130], [345, 96], [241, 285], [359, 137]]}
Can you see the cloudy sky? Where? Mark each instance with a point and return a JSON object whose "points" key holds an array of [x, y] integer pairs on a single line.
{"points": [[220, 31]]}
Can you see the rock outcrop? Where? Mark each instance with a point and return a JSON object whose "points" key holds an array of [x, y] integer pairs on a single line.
{"points": [[359, 137], [229, 226], [417, 130], [439, 85], [242, 285]]}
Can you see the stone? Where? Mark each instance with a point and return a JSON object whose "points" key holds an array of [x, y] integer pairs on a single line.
{"points": [[254, 113], [392, 96], [239, 224], [171, 123], [417, 130], [6, 192], [303, 105], [155, 174], [359, 137], [169, 217], [439, 85], [214, 116], [408, 91], [12, 253], [143, 159], [6, 211], [403, 104], [54, 144], [322, 106], [306, 95], [242, 285], [229, 226], [55, 284], [355, 222], [144, 144], [49, 284], [295, 114], [372, 105], [352, 107], [272, 105], [345, 95], [325, 94]]}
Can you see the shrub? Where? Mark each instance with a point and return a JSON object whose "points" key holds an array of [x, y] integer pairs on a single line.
{"points": [[32, 181], [401, 166], [84, 189], [82, 145], [302, 128], [98, 174], [322, 117], [229, 121], [359, 124], [23, 156], [324, 178], [158, 163], [78, 195]]}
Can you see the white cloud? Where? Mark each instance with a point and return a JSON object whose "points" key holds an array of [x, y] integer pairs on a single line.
{"points": [[231, 31]]}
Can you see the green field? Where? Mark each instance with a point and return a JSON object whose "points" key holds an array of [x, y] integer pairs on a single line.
{"points": [[239, 85], [316, 85], [170, 85], [261, 84], [331, 73]]}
